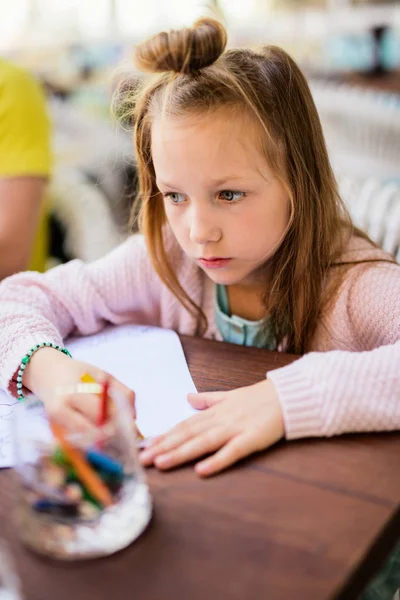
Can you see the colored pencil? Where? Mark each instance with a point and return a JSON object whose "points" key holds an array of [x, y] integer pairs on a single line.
{"points": [[86, 378], [103, 416], [87, 475]]}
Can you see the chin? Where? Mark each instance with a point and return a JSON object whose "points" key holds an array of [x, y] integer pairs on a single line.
{"points": [[223, 278]]}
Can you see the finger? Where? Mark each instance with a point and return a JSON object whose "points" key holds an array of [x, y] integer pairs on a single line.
{"points": [[175, 437], [205, 399], [88, 405], [125, 391], [72, 421], [205, 443], [116, 388], [237, 448]]}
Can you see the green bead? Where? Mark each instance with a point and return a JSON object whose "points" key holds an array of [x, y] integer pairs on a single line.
{"points": [[60, 459], [25, 360]]}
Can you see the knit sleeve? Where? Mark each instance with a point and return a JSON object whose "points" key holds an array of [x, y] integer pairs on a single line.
{"points": [[373, 305], [330, 393], [76, 298]]}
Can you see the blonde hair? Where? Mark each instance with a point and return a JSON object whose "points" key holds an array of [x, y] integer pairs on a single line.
{"points": [[193, 73]]}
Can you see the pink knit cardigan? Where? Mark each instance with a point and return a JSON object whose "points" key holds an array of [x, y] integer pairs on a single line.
{"points": [[349, 382]]}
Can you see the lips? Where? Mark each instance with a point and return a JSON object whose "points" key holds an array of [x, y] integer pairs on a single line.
{"points": [[215, 262]]}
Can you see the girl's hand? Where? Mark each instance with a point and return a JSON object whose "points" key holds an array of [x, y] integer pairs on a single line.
{"points": [[235, 424], [49, 369]]}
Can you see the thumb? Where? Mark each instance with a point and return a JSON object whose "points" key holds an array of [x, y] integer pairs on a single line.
{"points": [[125, 391], [100, 376], [205, 400]]}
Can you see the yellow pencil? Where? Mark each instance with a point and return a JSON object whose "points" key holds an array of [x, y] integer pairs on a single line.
{"points": [[86, 378]]}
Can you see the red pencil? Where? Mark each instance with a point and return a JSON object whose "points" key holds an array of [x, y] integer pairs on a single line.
{"points": [[104, 403]]}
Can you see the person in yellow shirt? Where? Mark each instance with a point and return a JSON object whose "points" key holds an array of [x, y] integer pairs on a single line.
{"points": [[25, 163]]}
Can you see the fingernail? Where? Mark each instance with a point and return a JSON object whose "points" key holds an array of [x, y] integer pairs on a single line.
{"points": [[162, 461], [201, 469], [146, 455], [153, 441]]}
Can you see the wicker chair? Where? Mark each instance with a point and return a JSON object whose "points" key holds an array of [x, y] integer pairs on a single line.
{"points": [[362, 129], [375, 208], [84, 211]]}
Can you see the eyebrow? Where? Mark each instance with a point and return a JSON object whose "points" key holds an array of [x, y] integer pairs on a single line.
{"points": [[165, 184], [216, 182]]}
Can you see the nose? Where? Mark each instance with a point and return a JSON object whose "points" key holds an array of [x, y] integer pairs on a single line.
{"points": [[204, 227]]}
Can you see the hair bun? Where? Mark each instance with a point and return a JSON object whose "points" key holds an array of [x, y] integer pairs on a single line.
{"points": [[183, 51]]}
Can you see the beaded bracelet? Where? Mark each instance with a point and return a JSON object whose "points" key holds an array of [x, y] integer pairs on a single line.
{"points": [[27, 358]]}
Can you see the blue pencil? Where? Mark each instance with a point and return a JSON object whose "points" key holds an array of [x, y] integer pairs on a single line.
{"points": [[104, 462]]}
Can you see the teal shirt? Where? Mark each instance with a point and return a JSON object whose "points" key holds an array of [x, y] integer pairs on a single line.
{"points": [[240, 331]]}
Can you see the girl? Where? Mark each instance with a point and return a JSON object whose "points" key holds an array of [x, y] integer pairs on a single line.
{"points": [[245, 239]]}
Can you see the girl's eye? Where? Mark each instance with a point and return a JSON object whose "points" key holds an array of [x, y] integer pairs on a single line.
{"points": [[175, 197], [231, 195]]}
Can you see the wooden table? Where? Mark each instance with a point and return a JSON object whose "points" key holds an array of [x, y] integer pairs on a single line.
{"points": [[308, 520]]}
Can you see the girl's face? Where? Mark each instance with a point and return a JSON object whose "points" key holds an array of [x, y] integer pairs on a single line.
{"points": [[226, 208]]}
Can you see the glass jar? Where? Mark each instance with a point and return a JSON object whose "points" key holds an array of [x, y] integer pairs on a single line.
{"points": [[9, 582], [80, 495]]}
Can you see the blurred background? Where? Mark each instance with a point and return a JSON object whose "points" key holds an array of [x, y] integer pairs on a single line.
{"points": [[79, 51]]}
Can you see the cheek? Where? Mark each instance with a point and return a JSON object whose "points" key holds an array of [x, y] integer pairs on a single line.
{"points": [[176, 220], [171, 213], [281, 218], [168, 212], [276, 217], [260, 231]]}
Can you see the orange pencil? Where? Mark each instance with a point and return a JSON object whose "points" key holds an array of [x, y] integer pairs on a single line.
{"points": [[89, 477]]}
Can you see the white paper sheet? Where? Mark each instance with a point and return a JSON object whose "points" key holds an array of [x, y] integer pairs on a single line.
{"points": [[147, 359]]}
